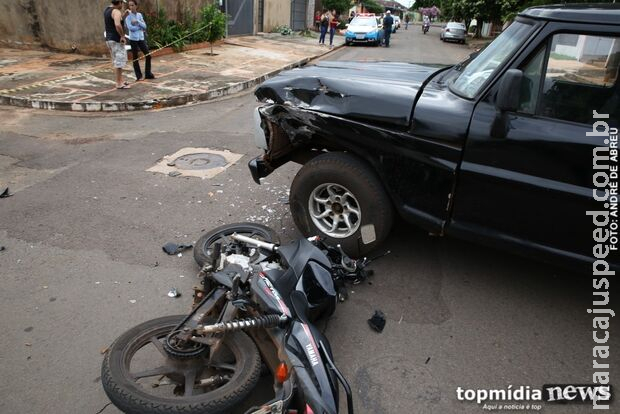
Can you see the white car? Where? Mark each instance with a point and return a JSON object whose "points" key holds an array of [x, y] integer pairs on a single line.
{"points": [[364, 28], [396, 22]]}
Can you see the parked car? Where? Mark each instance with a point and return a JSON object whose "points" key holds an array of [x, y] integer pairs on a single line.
{"points": [[364, 28], [396, 23], [493, 150], [453, 31]]}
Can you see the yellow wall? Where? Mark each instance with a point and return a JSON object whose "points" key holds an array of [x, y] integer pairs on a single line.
{"points": [[277, 13]]}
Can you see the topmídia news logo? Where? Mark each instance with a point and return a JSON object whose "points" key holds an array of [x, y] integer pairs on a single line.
{"points": [[530, 398]]}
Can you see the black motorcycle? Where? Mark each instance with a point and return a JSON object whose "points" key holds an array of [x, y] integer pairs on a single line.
{"points": [[256, 307]]}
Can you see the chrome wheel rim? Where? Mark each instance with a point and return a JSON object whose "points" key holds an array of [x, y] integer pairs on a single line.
{"points": [[334, 210]]}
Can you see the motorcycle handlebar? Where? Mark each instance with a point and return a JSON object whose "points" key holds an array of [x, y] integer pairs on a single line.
{"points": [[258, 243], [262, 244]]}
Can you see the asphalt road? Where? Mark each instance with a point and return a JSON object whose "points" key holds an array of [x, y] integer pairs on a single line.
{"points": [[83, 263]]}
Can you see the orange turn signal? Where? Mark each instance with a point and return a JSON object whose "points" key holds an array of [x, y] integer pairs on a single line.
{"points": [[282, 373]]}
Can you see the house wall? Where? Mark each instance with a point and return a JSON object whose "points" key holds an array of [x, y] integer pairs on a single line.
{"points": [[277, 13], [70, 25]]}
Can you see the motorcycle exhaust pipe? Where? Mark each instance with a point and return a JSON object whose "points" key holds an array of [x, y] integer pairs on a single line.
{"points": [[258, 243]]}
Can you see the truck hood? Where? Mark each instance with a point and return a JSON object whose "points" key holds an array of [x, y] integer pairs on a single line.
{"points": [[376, 92]]}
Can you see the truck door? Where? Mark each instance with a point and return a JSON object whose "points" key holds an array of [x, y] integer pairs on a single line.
{"points": [[529, 185]]}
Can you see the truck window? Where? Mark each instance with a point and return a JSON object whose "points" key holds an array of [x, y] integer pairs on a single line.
{"points": [[581, 75], [530, 88], [475, 74]]}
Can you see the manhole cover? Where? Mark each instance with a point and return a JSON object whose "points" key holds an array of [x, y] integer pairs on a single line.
{"points": [[200, 161]]}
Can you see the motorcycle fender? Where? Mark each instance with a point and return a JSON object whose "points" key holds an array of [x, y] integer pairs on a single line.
{"points": [[268, 296], [303, 352]]}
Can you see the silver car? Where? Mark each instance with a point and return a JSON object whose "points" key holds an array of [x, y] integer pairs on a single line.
{"points": [[454, 31]]}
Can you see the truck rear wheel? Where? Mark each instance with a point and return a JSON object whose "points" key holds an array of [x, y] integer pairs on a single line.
{"points": [[339, 198]]}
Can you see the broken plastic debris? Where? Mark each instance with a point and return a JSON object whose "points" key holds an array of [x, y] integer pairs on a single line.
{"points": [[171, 163], [4, 192], [173, 293], [2, 248], [132, 301], [173, 248], [174, 173], [377, 322]]}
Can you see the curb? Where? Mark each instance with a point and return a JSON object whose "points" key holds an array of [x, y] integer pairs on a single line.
{"points": [[178, 100]]}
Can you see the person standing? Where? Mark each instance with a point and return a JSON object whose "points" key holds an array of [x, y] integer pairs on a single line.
{"points": [[325, 17], [115, 40], [407, 18], [317, 20], [137, 27], [333, 24], [388, 22]]}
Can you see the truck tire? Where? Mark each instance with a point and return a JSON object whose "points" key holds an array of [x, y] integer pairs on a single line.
{"points": [[339, 197], [131, 397]]}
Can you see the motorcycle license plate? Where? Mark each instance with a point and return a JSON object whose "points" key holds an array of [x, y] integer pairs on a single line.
{"points": [[360, 37]]}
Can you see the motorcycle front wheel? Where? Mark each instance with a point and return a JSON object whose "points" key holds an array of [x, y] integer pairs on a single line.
{"points": [[140, 375], [204, 246]]}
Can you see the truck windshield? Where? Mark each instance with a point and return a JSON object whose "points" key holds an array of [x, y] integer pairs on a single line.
{"points": [[473, 74]]}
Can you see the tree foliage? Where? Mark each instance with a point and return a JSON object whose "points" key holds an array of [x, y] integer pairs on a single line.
{"points": [[341, 6], [495, 11], [373, 7], [215, 24]]}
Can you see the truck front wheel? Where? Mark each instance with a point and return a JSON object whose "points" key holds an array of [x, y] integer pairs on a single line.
{"points": [[339, 198]]}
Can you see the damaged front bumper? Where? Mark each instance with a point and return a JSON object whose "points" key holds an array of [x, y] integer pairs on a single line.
{"points": [[282, 136], [259, 169], [257, 166]]}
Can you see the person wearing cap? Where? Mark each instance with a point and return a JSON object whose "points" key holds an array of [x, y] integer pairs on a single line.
{"points": [[388, 22], [115, 40]]}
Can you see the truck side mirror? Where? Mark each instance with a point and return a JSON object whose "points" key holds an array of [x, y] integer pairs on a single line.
{"points": [[508, 95]]}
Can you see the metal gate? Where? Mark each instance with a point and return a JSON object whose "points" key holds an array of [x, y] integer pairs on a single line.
{"points": [[240, 17], [298, 14]]}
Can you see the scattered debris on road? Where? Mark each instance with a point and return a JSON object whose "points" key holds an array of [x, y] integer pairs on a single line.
{"points": [[4, 192], [377, 322], [173, 293], [173, 248]]}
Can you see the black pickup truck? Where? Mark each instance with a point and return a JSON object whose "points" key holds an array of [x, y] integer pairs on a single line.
{"points": [[504, 149]]}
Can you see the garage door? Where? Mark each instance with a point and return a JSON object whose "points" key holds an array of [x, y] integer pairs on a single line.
{"points": [[298, 14], [241, 17]]}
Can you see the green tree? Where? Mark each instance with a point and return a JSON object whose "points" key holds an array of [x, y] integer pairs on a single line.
{"points": [[423, 4], [214, 22], [373, 7], [341, 6]]}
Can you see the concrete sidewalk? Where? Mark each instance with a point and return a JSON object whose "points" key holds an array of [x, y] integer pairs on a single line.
{"points": [[48, 80]]}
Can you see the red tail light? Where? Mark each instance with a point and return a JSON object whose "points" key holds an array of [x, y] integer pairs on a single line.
{"points": [[309, 410]]}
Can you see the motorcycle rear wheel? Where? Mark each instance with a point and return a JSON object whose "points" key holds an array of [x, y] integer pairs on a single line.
{"points": [[136, 390], [204, 245]]}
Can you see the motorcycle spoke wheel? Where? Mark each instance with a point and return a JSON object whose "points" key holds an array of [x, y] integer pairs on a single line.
{"points": [[203, 251], [140, 376]]}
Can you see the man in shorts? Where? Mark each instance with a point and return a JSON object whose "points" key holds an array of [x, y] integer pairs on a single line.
{"points": [[115, 39]]}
